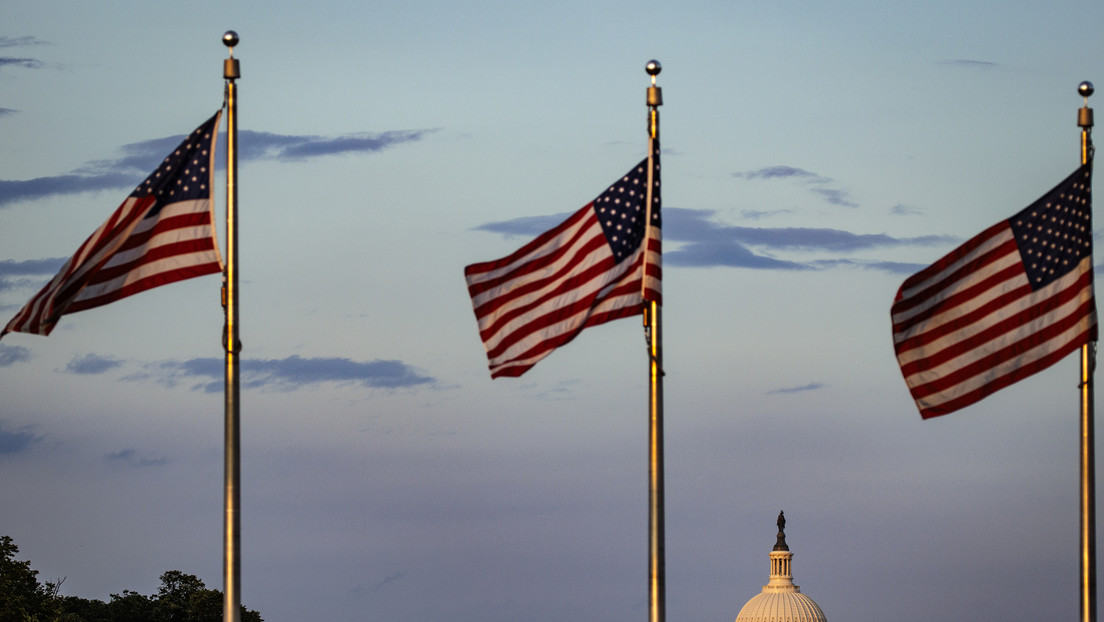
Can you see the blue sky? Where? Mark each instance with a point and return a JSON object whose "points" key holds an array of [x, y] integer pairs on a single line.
{"points": [[815, 154]]}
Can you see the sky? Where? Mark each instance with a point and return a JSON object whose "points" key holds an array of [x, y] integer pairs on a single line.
{"points": [[815, 154]]}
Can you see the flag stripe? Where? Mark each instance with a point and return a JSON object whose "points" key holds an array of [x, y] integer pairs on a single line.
{"points": [[1035, 326], [584, 272], [162, 233], [1008, 303], [1022, 316]]}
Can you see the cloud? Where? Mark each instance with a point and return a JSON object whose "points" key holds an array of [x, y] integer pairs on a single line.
{"points": [[130, 457], [266, 145], [49, 265], [28, 273], [751, 214], [26, 63], [10, 355], [7, 111], [13, 42], [707, 243], [15, 441], [138, 159], [835, 196], [781, 172], [730, 254], [391, 578], [694, 240], [91, 364], [524, 226], [969, 63], [291, 373], [812, 386], [904, 210], [892, 267]]}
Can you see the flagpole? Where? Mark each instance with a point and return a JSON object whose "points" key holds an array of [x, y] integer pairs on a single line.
{"points": [[656, 554], [231, 571], [1088, 433]]}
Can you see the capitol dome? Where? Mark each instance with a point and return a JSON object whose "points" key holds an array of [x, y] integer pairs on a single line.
{"points": [[781, 600]]}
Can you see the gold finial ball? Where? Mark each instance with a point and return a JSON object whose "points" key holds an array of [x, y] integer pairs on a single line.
{"points": [[653, 68], [1085, 88], [230, 38]]}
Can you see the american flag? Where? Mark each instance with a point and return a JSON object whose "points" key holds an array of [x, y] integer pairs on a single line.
{"points": [[162, 233], [592, 268], [1008, 303]]}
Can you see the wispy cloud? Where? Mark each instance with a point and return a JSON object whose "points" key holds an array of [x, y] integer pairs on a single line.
{"points": [[29, 273], [26, 63], [812, 386], [819, 183], [752, 214], [904, 210], [269, 146], [10, 355], [835, 196], [15, 441], [523, 226], [130, 457], [391, 578], [706, 243], [695, 240], [138, 159], [969, 63], [92, 364], [4, 112], [288, 373], [25, 41], [781, 172]]}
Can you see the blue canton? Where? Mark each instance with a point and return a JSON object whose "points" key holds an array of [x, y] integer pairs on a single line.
{"points": [[1055, 232], [183, 175], [621, 210]]}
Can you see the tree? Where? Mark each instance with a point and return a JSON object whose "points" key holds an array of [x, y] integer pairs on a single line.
{"points": [[22, 598], [181, 598]]}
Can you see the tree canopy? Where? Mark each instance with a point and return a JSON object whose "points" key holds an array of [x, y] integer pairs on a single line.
{"points": [[180, 598]]}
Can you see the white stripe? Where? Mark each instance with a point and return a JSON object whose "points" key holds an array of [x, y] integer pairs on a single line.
{"points": [[1006, 367], [568, 325], [601, 281], [1014, 307], [1023, 332], [999, 238], [1029, 299], [550, 246], [952, 288]]}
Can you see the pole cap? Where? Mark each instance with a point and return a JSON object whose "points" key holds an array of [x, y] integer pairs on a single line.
{"points": [[230, 38], [1085, 88]]}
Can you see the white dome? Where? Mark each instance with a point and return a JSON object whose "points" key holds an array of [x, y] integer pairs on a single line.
{"points": [[781, 607], [781, 600]]}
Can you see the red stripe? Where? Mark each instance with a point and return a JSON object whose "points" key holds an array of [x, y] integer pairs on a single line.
{"points": [[186, 220], [157, 253], [923, 335], [950, 283], [1007, 353], [947, 261], [490, 266], [529, 286], [1011, 378], [149, 282], [519, 333], [1008, 325]]}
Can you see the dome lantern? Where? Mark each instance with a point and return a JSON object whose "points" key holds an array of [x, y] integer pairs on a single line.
{"points": [[781, 600]]}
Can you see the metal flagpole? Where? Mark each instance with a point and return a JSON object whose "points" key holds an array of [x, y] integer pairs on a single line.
{"points": [[1088, 458], [656, 555], [231, 570]]}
